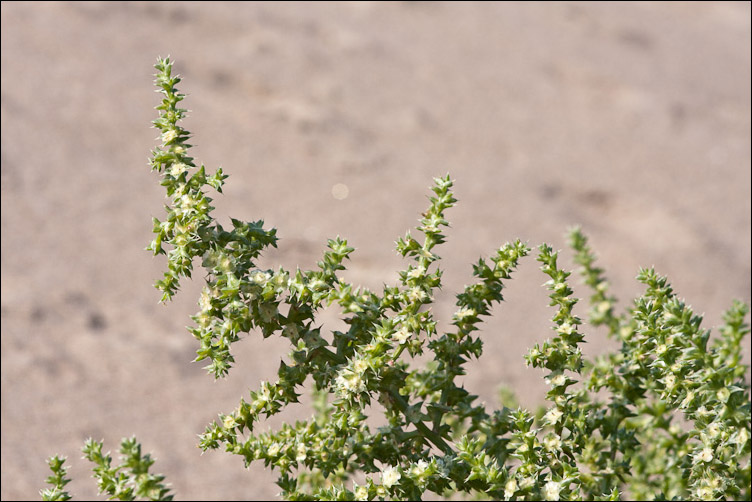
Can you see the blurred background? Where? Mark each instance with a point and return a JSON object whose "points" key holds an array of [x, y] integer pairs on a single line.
{"points": [[629, 119]]}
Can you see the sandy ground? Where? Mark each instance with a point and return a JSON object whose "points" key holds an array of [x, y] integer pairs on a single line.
{"points": [[632, 120]]}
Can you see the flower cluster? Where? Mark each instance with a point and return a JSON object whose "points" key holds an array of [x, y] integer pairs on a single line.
{"points": [[666, 416]]}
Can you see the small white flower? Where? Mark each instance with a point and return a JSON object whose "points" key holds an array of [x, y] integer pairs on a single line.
{"points": [[281, 279], [464, 312], [361, 492], [273, 450], [177, 169], [715, 482], [401, 335], [706, 455], [723, 395], [169, 135], [260, 277], [186, 202], [510, 488], [552, 443], [526, 483], [705, 493], [202, 319], [559, 380], [714, 429], [180, 240], [360, 366], [703, 412], [670, 381], [205, 299], [416, 273], [350, 383], [229, 422], [301, 453], [603, 307], [416, 294], [688, 400], [390, 477], [317, 284], [225, 264], [419, 468], [565, 328], [551, 490], [553, 416]]}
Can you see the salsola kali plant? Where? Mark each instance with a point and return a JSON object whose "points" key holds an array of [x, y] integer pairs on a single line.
{"points": [[665, 417]]}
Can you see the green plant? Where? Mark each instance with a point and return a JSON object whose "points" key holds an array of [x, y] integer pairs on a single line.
{"points": [[665, 417]]}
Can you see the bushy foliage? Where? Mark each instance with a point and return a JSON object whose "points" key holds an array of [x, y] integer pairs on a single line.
{"points": [[667, 416]]}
